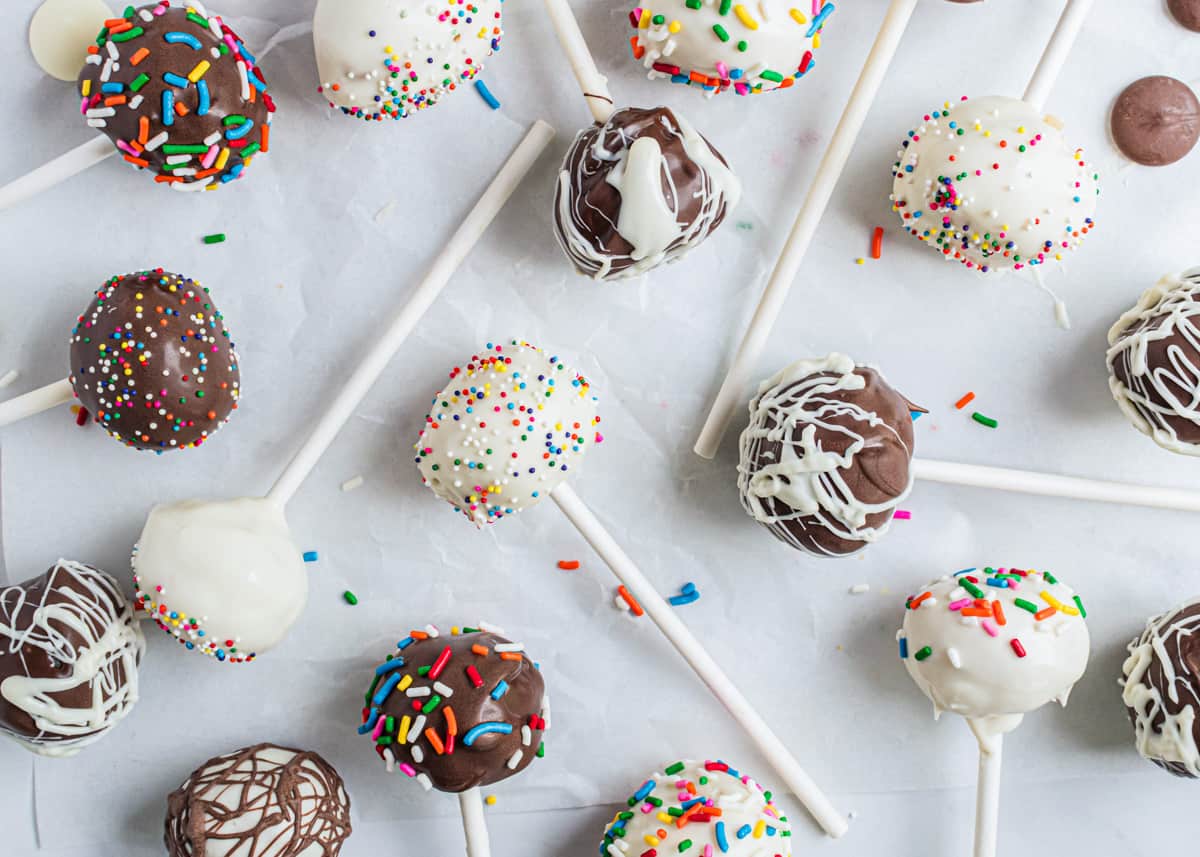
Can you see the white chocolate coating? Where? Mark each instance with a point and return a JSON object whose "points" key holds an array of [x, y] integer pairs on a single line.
{"points": [[991, 182], [512, 425], [93, 607], [1165, 727], [224, 577], [61, 31], [750, 47], [749, 825], [1161, 399], [970, 664], [387, 59]]}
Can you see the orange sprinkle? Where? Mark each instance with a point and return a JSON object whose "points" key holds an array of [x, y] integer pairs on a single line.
{"points": [[119, 26], [139, 162], [181, 109], [451, 721], [167, 180], [638, 50], [1044, 614], [482, 651], [630, 600], [964, 401], [265, 139], [568, 564], [916, 602], [143, 130], [432, 737], [511, 656], [976, 611], [877, 243], [418, 635], [141, 54], [115, 100], [998, 612]]}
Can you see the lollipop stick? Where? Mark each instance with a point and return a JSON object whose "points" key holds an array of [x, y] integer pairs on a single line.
{"points": [[36, 401], [1055, 56], [471, 804], [592, 83], [373, 364], [59, 170], [663, 616], [987, 796], [824, 183], [1051, 485]]}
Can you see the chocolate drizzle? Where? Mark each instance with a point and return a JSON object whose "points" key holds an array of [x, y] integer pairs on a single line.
{"points": [[261, 801]]}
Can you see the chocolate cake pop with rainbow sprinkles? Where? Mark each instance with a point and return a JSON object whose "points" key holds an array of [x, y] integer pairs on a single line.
{"points": [[178, 93], [457, 712]]}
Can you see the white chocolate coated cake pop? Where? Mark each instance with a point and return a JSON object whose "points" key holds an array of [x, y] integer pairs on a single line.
{"points": [[701, 808], [993, 644], [387, 60], [717, 46], [222, 577], [513, 423], [991, 183]]}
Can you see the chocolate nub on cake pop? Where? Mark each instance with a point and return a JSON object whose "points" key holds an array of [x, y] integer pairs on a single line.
{"points": [[826, 458], [153, 363], [69, 654], [457, 712], [641, 190], [1155, 121], [1186, 12], [1154, 363], [1161, 681], [261, 801], [178, 93]]}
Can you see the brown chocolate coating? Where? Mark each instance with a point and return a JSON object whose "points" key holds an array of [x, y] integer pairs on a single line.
{"points": [[465, 687], [587, 207], [152, 361], [877, 475], [1156, 121], [1186, 12], [69, 651], [258, 801], [163, 81]]}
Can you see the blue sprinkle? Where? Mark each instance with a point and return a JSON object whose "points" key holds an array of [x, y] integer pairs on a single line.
{"points": [[722, 841], [964, 571], [310, 556], [644, 792], [393, 664], [680, 600], [486, 95], [168, 108], [112, 87], [743, 831], [371, 721], [405, 643], [487, 729], [241, 46], [997, 583], [182, 39], [240, 131], [688, 588], [501, 689], [904, 648], [386, 689], [205, 100], [177, 80], [916, 415]]}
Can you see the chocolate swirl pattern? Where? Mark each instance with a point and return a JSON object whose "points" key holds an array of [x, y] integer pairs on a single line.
{"points": [[825, 459], [641, 190], [1161, 680], [1154, 363], [261, 801]]}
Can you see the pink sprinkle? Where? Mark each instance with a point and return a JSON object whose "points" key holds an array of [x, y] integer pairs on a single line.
{"points": [[741, 88], [210, 156], [990, 627], [723, 70], [378, 729], [958, 605], [83, 107], [408, 769], [647, 808], [902, 515], [708, 852], [816, 7]]}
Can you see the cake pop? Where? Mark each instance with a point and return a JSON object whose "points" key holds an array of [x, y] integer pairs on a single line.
{"points": [[457, 712], [642, 189], [1155, 121], [261, 801], [991, 183], [152, 361], [717, 46], [699, 807], [1154, 363], [380, 60], [69, 655], [60, 32], [825, 460], [178, 93], [1161, 681], [512, 425]]}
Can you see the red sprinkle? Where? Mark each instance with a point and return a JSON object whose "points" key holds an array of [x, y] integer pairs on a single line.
{"points": [[568, 564], [81, 417], [877, 243], [1017, 647], [440, 663]]}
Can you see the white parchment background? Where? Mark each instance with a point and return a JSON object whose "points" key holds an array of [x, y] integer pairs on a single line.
{"points": [[312, 266]]}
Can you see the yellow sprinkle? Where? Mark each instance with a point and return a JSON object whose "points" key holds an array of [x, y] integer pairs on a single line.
{"points": [[645, 22], [651, 840], [87, 88], [816, 40], [797, 16], [199, 71], [744, 17], [482, 33], [1020, 129], [987, 133], [405, 723], [490, 800], [664, 818], [759, 829], [1053, 602], [860, 261], [222, 159], [1070, 611], [675, 27], [404, 683]]}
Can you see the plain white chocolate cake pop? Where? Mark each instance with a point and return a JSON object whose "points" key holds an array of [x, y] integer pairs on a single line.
{"points": [[701, 808], [991, 183], [716, 45], [513, 423], [222, 577], [387, 60], [993, 644], [60, 32]]}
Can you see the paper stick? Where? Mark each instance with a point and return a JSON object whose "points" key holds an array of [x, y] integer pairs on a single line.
{"points": [[1055, 55], [59, 170], [36, 401], [828, 173], [447, 262], [474, 826], [987, 796], [592, 83], [668, 622]]}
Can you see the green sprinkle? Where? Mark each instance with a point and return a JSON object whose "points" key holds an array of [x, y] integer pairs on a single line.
{"points": [[350, 597], [424, 671], [658, 20], [432, 704], [1050, 578], [685, 845], [385, 739], [773, 76], [541, 753], [924, 653], [654, 801], [1026, 605], [674, 811], [693, 4], [196, 19], [130, 34], [371, 691], [179, 149], [235, 120], [250, 150], [1079, 604], [972, 588], [390, 724], [743, 46], [139, 81], [726, 5], [215, 238], [674, 769], [721, 32]]}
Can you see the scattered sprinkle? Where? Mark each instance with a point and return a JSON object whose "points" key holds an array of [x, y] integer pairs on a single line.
{"points": [[486, 95], [916, 415], [352, 483], [902, 515], [630, 600], [568, 564], [984, 421], [860, 589], [215, 238], [860, 261], [490, 800], [8, 377], [877, 243], [350, 597], [311, 556], [81, 416], [964, 401]]}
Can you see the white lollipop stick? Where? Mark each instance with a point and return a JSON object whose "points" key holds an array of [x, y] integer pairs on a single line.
{"points": [[668, 622], [592, 83], [1051, 485], [828, 173], [1055, 55], [447, 262], [474, 826], [987, 796], [59, 170], [36, 401]]}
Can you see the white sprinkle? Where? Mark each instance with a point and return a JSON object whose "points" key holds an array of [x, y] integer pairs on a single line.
{"points": [[955, 660], [418, 755], [417, 691], [389, 760], [490, 628], [213, 138], [417, 728], [433, 631], [444, 690], [515, 760], [178, 159], [621, 603], [156, 141], [545, 715], [510, 647], [145, 15], [8, 377], [136, 102], [102, 112], [352, 483], [425, 782], [526, 735], [97, 123], [241, 66], [860, 589]]}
